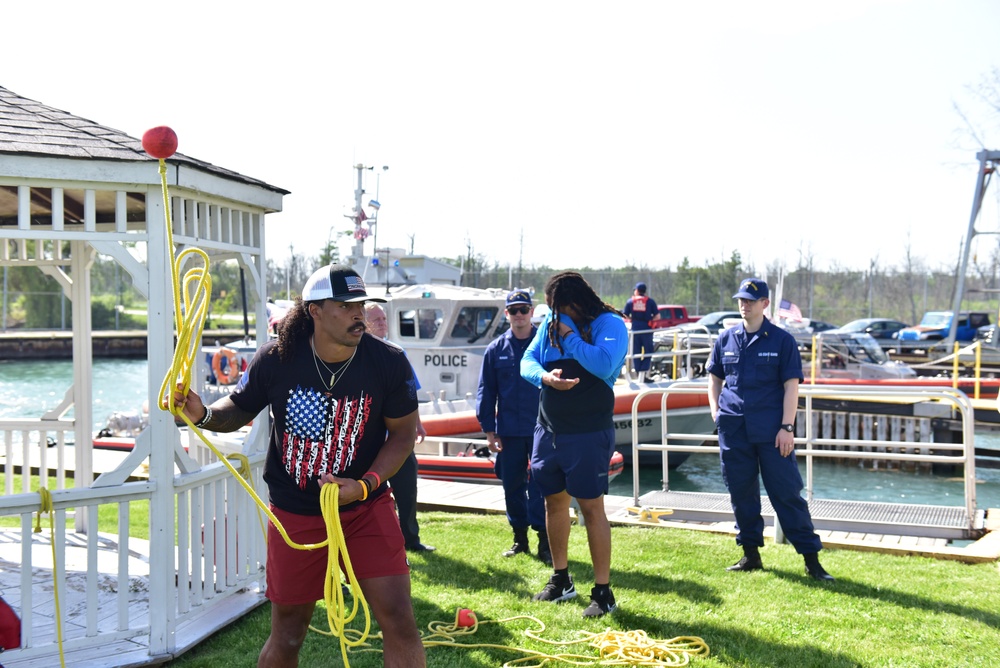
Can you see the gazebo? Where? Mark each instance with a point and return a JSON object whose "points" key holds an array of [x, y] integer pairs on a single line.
{"points": [[70, 189]]}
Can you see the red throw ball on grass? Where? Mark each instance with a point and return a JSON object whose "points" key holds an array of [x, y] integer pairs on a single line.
{"points": [[466, 618], [160, 142]]}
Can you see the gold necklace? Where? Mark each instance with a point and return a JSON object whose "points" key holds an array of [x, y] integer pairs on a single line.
{"points": [[334, 376]]}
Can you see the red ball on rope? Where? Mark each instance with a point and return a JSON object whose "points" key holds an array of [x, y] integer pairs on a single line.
{"points": [[160, 142], [466, 618]]}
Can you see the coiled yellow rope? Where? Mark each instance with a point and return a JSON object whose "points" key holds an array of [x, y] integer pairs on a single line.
{"points": [[615, 648], [192, 295], [46, 507]]}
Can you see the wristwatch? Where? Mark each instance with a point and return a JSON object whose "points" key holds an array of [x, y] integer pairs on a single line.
{"points": [[790, 428]]}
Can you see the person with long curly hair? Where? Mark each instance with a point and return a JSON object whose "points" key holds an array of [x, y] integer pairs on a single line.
{"points": [[575, 358], [343, 405]]}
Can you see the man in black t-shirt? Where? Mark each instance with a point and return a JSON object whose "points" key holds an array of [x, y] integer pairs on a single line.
{"points": [[344, 409]]}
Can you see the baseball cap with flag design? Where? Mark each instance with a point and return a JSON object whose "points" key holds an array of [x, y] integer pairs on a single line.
{"points": [[339, 283], [752, 288]]}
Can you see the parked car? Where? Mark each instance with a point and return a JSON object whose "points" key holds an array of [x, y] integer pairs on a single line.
{"points": [[935, 325], [878, 328], [807, 326], [711, 321], [671, 315]]}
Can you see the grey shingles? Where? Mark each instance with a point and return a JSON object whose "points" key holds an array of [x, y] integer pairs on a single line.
{"points": [[29, 127]]}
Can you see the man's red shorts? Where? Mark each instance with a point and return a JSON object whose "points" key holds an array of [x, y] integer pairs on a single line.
{"points": [[374, 543]]}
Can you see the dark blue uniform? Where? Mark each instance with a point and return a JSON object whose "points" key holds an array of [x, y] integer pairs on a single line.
{"points": [[641, 309], [755, 368], [404, 490], [508, 405]]}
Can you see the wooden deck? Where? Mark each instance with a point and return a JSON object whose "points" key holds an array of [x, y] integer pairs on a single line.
{"points": [[128, 646]]}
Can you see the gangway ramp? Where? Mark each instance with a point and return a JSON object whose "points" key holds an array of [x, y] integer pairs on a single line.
{"points": [[815, 438], [949, 522]]}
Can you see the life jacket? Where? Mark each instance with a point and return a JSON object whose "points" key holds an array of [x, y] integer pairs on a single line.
{"points": [[639, 307]]}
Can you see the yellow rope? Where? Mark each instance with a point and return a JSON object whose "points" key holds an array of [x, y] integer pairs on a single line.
{"points": [[615, 648], [192, 296], [46, 507]]}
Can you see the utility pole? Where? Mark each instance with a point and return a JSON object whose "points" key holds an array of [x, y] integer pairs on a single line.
{"points": [[520, 259]]}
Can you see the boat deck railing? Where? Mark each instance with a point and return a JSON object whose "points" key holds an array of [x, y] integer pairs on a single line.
{"points": [[943, 521], [680, 359]]}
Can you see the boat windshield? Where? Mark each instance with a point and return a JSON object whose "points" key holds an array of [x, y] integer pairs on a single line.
{"points": [[422, 323], [865, 349], [473, 322]]}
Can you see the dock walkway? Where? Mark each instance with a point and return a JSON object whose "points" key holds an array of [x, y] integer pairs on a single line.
{"points": [[468, 497]]}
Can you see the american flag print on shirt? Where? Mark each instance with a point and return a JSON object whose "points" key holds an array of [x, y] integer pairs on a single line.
{"points": [[322, 433]]}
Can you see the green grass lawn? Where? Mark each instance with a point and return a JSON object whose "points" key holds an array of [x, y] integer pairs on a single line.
{"points": [[882, 610]]}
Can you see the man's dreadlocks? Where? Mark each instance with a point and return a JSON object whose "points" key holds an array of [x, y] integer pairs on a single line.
{"points": [[296, 327], [569, 288]]}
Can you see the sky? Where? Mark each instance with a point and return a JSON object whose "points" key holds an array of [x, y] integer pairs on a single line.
{"points": [[566, 134]]}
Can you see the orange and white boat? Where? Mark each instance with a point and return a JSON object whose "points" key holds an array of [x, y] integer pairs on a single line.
{"points": [[478, 467], [686, 413]]}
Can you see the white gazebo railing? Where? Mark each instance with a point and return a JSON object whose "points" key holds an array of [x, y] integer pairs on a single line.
{"points": [[202, 565]]}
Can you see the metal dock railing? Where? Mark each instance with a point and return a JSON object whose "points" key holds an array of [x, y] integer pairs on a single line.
{"points": [[951, 522]]}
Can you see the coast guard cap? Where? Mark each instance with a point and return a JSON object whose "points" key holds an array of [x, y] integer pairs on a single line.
{"points": [[518, 296], [337, 282], [752, 288], [641, 287]]}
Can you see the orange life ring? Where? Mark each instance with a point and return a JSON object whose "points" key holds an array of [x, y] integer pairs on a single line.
{"points": [[232, 367]]}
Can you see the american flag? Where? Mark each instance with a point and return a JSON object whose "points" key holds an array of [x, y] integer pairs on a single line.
{"points": [[321, 433], [788, 310]]}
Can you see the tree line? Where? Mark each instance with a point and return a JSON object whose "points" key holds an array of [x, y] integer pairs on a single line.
{"points": [[837, 295]]}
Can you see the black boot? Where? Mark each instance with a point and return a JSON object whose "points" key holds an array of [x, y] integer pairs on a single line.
{"points": [[750, 561], [520, 545], [814, 569], [544, 553]]}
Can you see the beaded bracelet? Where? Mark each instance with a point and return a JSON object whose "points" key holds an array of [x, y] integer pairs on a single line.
{"points": [[208, 416]]}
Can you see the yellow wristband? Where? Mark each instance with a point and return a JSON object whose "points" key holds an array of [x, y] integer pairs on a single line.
{"points": [[364, 490]]}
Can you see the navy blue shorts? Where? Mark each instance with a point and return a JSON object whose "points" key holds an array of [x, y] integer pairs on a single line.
{"points": [[575, 463]]}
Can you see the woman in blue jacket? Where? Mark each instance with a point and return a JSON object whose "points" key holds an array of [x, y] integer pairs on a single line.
{"points": [[575, 358]]}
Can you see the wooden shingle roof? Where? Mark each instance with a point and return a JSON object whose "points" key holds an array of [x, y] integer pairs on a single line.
{"points": [[28, 127]]}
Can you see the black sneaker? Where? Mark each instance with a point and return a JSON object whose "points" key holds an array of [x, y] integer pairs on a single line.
{"points": [[557, 589], [600, 604]]}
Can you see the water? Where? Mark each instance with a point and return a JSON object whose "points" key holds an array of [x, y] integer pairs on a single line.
{"points": [[29, 388], [701, 473]]}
